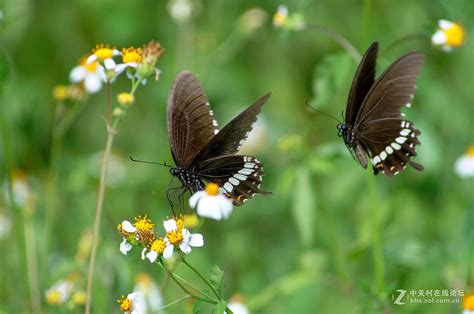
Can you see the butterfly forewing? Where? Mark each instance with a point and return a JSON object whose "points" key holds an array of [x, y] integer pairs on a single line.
{"points": [[231, 137], [190, 120], [239, 177], [362, 82]]}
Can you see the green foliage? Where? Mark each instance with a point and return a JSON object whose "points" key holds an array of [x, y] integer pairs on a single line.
{"points": [[307, 247]]}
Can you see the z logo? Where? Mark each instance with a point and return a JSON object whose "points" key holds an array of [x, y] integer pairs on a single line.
{"points": [[398, 300]]}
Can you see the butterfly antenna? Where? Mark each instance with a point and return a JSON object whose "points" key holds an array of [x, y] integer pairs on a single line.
{"points": [[324, 113], [150, 162]]}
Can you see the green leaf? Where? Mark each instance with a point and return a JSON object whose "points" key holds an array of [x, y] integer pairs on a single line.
{"points": [[329, 77], [199, 307], [304, 206], [220, 307], [216, 278]]}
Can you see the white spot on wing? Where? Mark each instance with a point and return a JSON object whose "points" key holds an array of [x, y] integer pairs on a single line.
{"points": [[389, 150], [228, 187], [396, 146], [250, 165], [383, 155], [245, 171], [240, 177], [234, 181], [400, 140]]}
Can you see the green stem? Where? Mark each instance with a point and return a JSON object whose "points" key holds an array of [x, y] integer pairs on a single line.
{"points": [[414, 36], [196, 297], [174, 302], [379, 280], [111, 132], [341, 40], [216, 293], [31, 261]]}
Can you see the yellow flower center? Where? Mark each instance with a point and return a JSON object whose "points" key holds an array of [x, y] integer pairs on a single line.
{"points": [[60, 92], [125, 305], [103, 52], [131, 55], [143, 225], [469, 302], [180, 222], [53, 297], [125, 99], [79, 297], [279, 18], [158, 245], [191, 221], [175, 237], [455, 35], [212, 189], [470, 152]]}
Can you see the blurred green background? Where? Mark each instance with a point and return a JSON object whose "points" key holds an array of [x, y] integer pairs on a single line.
{"points": [[308, 247]]}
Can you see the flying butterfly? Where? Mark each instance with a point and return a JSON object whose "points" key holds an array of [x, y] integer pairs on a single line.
{"points": [[374, 124], [203, 153]]}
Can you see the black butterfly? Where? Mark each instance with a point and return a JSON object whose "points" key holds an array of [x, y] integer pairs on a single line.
{"points": [[374, 124], [201, 152]]}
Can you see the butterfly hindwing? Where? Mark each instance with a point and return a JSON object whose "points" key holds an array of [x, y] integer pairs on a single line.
{"points": [[239, 177], [190, 120]]}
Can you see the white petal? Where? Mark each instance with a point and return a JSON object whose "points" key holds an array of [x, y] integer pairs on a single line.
{"points": [[445, 24], [143, 253], [91, 59], [109, 64], [193, 200], [185, 248], [238, 308], [128, 227], [225, 206], [152, 256], [439, 38], [208, 207], [92, 83], [196, 240], [119, 68], [125, 247], [132, 295], [168, 251], [116, 52], [77, 74], [464, 167], [170, 225]]}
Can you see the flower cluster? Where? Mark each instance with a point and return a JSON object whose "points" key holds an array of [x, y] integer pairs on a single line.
{"points": [[141, 233], [66, 290], [291, 22], [449, 35], [105, 64]]}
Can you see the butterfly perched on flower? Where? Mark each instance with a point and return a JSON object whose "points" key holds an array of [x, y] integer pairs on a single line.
{"points": [[374, 125], [203, 153]]}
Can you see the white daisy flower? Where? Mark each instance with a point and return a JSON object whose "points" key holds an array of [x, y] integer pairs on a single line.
{"points": [[178, 236], [61, 291], [157, 248], [464, 165], [90, 74], [103, 54], [210, 203], [149, 298], [127, 305], [448, 36]]}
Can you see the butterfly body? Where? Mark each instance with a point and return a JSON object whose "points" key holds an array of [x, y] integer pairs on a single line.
{"points": [[375, 128], [187, 178], [201, 152]]}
